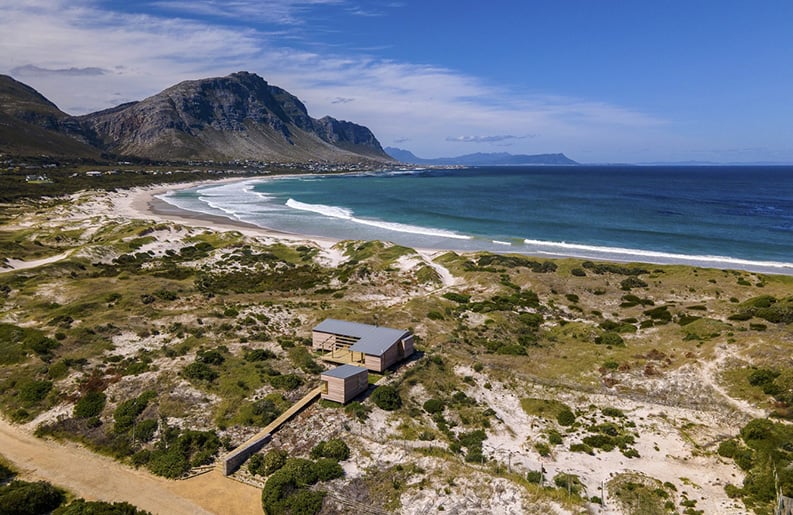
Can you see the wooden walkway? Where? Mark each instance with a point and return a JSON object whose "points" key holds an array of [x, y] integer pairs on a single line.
{"points": [[232, 461], [286, 415]]}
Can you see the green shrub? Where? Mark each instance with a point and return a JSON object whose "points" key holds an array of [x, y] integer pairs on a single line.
{"points": [[565, 417], [335, 449], [534, 476], [357, 410], [286, 381], [259, 355], [632, 282], [32, 392], [457, 297], [200, 372], [144, 431], [610, 338], [581, 447], [569, 482], [387, 398], [83, 507], [554, 437], [327, 469], [433, 406], [210, 357], [90, 405], [127, 412], [273, 460], [728, 448], [23, 498]]}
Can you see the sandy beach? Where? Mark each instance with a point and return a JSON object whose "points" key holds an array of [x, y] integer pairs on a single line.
{"points": [[142, 203]]}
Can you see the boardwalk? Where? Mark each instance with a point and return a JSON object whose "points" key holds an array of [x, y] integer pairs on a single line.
{"points": [[232, 461]]}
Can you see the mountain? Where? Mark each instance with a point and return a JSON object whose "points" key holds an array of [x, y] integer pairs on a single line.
{"points": [[32, 125], [482, 159], [240, 116]]}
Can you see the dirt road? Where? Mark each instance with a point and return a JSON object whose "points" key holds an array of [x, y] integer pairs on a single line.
{"points": [[96, 477]]}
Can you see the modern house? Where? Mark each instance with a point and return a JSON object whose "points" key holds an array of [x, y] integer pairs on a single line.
{"points": [[373, 347], [344, 383]]}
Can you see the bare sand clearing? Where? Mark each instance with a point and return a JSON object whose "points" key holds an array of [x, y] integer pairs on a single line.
{"points": [[18, 264], [97, 477]]}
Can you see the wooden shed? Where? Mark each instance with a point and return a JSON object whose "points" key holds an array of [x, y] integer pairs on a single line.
{"points": [[370, 346], [344, 383]]}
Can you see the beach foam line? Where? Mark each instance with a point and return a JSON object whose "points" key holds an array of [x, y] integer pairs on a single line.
{"points": [[499, 242], [347, 214], [666, 256]]}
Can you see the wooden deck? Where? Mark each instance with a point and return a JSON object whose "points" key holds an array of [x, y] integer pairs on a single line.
{"points": [[344, 357]]}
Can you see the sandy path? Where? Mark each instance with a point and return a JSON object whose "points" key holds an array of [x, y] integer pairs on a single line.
{"points": [[97, 477], [18, 264]]}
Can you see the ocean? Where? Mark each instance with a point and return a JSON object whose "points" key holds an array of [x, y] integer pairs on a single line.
{"points": [[722, 217]]}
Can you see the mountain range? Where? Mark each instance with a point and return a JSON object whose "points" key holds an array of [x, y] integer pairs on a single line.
{"points": [[482, 159], [240, 116]]}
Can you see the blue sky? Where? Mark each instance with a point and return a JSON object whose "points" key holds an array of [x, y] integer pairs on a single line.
{"points": [[601, 81]]}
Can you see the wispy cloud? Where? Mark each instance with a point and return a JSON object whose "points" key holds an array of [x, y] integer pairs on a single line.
{"points": [[29, 69], [68, 42], [287, 12], [486, 139]]}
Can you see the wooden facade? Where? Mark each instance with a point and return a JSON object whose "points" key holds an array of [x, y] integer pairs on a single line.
{"points": [[373, 347], [344, 383]]}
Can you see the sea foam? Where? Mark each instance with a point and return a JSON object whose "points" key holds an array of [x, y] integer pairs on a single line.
{"points": [[562, 247], [347, 214]]}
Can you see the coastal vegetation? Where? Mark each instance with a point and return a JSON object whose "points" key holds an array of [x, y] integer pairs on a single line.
{"points": [[537, 382]]}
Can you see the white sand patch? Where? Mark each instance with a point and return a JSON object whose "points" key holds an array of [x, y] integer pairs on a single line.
{"points": [[331, 256], [128, 343], [58, 412], [408, 262], [670, 443], [446, 276], [18, 264]]}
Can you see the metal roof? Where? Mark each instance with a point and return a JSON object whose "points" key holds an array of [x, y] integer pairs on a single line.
{"points": [[373, 340], [345, 371]]}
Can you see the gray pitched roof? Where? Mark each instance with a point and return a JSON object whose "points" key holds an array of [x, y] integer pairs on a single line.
{"points": [[372, 339], [345, 371]]}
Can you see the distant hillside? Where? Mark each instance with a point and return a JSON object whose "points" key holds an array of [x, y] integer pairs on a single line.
{"points": [[482, 159], [240, 116], [32, 125]]}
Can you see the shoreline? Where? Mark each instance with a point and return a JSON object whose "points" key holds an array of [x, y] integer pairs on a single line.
{"points": [[143, 203]]}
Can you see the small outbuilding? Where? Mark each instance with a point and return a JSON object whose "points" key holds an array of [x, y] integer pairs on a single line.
{"points": [[370, 346], [344, 383]]}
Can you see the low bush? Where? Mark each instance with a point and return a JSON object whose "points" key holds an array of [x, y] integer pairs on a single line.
{"points": [[90, 405], [334, 449], [387, 398], [433, 406], [24, 498]]}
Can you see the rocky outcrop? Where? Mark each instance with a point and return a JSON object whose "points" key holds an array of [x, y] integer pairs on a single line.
{"points": [[227, 118], [240, 116]]}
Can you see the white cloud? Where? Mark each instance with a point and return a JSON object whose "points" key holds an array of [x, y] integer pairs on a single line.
{"points": [[276, 11], [141, 54]]}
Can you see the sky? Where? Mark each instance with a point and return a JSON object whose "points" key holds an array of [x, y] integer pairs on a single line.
{"points": [[601, 81]]}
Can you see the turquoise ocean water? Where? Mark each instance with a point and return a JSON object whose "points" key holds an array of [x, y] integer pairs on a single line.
{"points": [[723, 217]]}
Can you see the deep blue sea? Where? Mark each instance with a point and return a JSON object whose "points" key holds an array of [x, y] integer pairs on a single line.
{"points": [[723, 217]]}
